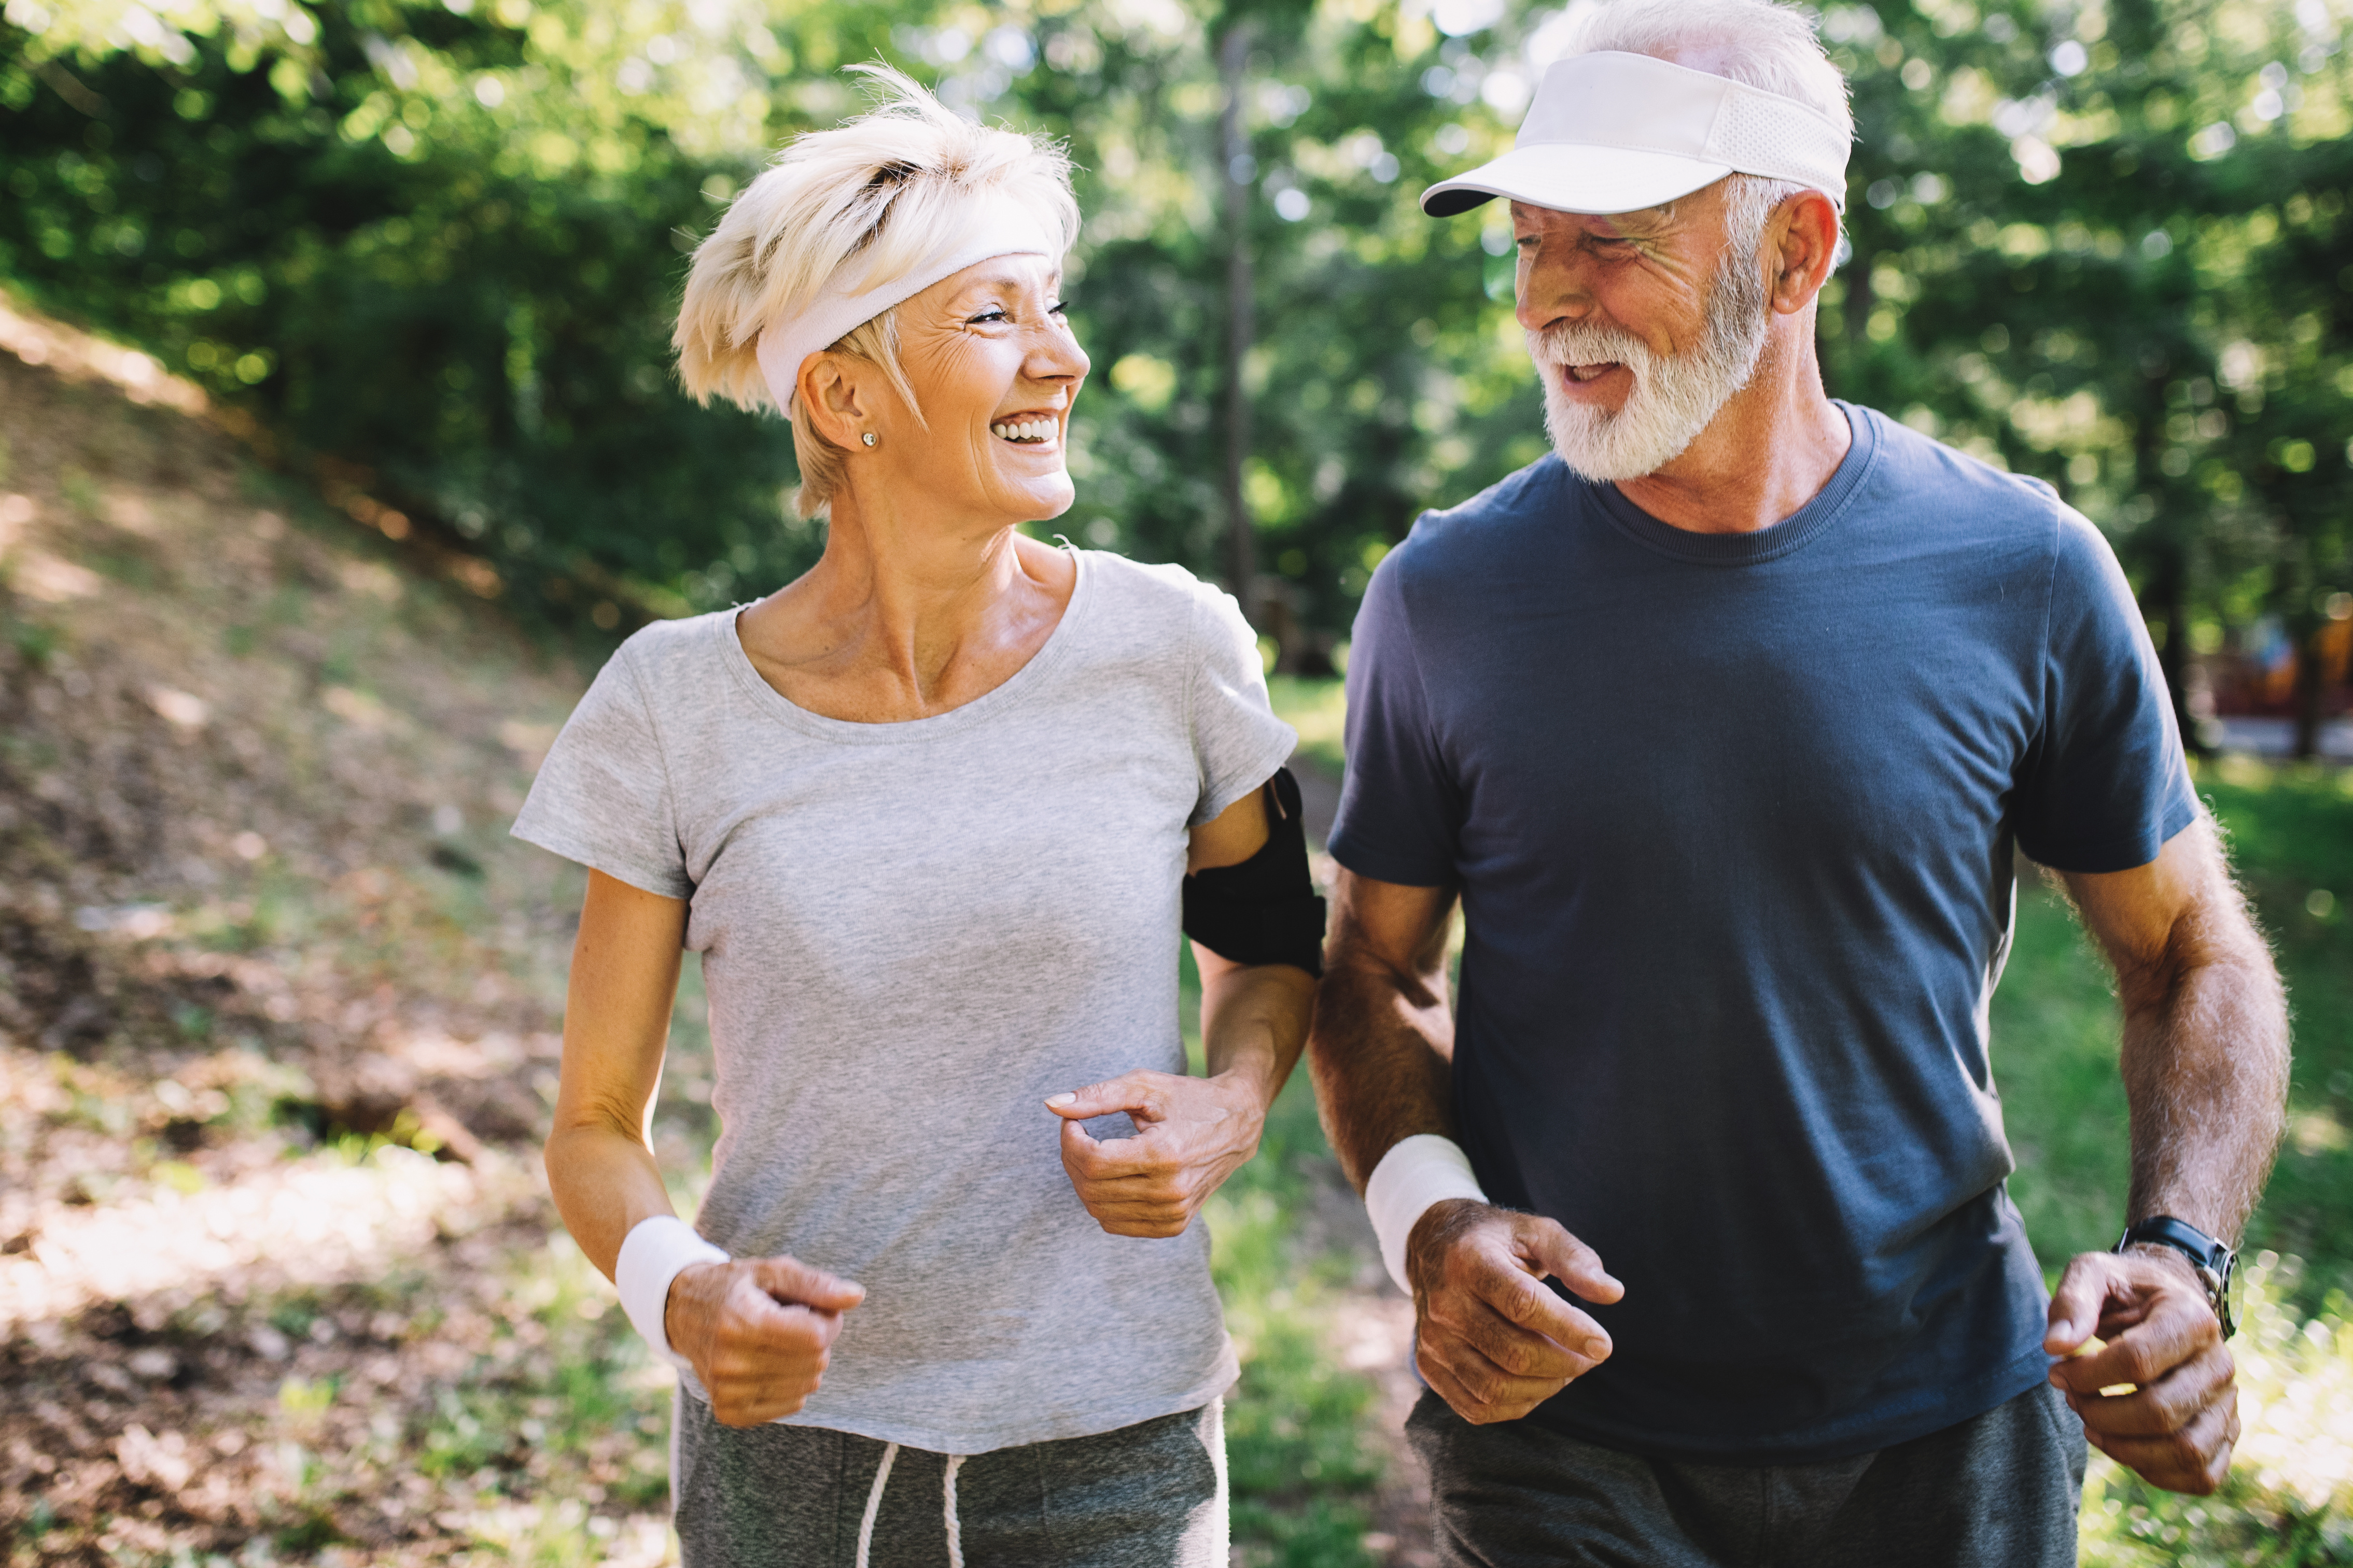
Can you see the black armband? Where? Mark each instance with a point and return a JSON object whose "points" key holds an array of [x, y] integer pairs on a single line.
{"points": [[1264, 911]]}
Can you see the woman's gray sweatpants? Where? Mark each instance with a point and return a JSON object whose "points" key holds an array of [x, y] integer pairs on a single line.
{"points": [[1999, 1491], [1148, 1496]]}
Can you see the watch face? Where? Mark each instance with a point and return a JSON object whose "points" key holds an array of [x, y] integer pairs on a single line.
{"points": [[2224, 1289]]}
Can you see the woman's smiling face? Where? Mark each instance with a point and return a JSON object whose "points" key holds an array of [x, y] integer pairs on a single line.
{"points": [[996, 371]]}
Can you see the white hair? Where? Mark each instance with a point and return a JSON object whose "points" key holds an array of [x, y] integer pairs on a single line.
{"points": [[854, 207], [1758, 43]]}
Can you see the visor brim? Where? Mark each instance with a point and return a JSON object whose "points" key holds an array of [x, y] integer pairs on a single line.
{"points": [[1572, 177]]}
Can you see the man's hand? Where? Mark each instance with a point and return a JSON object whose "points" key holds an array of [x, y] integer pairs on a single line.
{"points": [[1488, 1336], [1190, 1135], [758, 1331], [2177, 1425]]}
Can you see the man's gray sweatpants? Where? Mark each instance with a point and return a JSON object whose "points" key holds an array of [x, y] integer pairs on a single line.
{"points": [[1999, 1490], [1148, 1496]]}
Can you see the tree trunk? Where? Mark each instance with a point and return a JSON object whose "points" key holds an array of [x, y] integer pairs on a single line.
{"points": [[2311, 691], [2294, 575], [2168, 599], [1241, 555], [1858, 300]]}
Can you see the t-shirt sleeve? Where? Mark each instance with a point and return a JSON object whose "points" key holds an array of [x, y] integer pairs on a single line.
{"points": [[603, 796], [1238, 742], [2105, 783], [1400, 809]]}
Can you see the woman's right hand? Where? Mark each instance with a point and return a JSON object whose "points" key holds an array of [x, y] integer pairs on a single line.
{"points": [[757, 1330]]}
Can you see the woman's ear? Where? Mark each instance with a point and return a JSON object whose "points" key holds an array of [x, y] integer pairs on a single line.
{"points": [[835, 400]]}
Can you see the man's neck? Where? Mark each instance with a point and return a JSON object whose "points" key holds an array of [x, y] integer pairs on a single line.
{"points": [[1768, 452]]}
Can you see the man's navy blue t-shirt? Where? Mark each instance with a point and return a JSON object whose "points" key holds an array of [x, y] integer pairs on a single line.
{"points": [[1733, 818]]}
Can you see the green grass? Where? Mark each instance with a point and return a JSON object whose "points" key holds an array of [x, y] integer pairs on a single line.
{"points": [[562, 1387], [2293, 837]]}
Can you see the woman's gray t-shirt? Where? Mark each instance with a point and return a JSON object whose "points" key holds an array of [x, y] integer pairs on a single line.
{"points": [[912, 934]]}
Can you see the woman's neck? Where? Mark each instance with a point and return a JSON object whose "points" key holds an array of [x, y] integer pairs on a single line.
{"points": [[907, 616]]}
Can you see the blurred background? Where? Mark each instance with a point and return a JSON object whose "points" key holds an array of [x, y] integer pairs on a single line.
{"points": [[339, 443]]}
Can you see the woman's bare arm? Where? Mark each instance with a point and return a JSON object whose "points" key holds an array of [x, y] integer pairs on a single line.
{"points": [[1194, 1133], [1254, 1016], [757, 1330], [600, 1159], [1254, 1019]]}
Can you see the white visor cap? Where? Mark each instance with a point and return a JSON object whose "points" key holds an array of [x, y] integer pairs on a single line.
{"points": [[1614, 133], [1003, 227]]}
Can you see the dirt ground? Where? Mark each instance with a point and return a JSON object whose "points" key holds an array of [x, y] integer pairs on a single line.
{"points": [[277, 1003]]}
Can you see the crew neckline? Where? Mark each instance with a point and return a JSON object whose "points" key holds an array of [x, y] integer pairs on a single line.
{"points": [[1768, 544], [1005, 694]]}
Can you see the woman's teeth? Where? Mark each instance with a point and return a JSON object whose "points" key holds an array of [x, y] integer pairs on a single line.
{"points": [[1023, 430]]}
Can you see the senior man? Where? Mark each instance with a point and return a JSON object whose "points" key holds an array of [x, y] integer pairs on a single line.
{"points": [[1725, 722]]}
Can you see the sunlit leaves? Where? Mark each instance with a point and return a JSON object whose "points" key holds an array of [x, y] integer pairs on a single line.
{"points": [[466, 221]]}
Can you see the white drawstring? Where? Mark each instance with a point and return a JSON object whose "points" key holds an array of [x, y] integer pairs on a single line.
{"points": [[874, 1506], [956, 1531]]}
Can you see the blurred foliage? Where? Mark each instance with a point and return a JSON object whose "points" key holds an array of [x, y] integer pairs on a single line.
{"points": [[2283, 1504], [2103, 241], [1318, 710]]}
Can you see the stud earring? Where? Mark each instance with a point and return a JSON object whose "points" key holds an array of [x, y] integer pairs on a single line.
{"points": [[867, 438]]}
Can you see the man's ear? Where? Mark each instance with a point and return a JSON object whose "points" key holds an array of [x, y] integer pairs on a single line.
{"points": [[1805, 237], [834, 399]]}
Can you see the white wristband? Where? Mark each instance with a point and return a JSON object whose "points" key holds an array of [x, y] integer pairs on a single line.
{"points": [[655, 1252], [1416, 1173]]}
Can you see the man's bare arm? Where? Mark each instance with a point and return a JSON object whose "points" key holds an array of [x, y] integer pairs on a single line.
{"points": [[2205, 1054], [2205, 1065], [1488, 1337], [1383, 1043]]}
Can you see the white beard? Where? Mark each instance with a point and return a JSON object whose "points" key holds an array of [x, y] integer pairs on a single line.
{"points": [[1676, 396]]}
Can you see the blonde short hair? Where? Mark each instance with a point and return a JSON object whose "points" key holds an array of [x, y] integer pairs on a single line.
{"points": [[854, 207]]}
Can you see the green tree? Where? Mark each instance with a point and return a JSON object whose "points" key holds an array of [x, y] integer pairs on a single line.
{"points": [[2098, 243]]}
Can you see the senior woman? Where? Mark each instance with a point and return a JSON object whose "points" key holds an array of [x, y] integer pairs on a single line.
{"points": [[928, 813]]}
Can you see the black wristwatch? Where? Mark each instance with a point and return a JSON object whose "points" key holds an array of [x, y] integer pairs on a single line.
{"points": [[2215, 1263]]}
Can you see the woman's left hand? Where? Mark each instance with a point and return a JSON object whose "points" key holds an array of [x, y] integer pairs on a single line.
{"points": [[1190, 1135]]}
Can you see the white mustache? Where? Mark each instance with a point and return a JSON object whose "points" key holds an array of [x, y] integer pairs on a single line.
{"points": [[1566, 343]]}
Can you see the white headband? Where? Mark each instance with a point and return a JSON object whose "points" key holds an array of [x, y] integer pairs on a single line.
{"points": [[1005, 227], [1614, 133]]}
